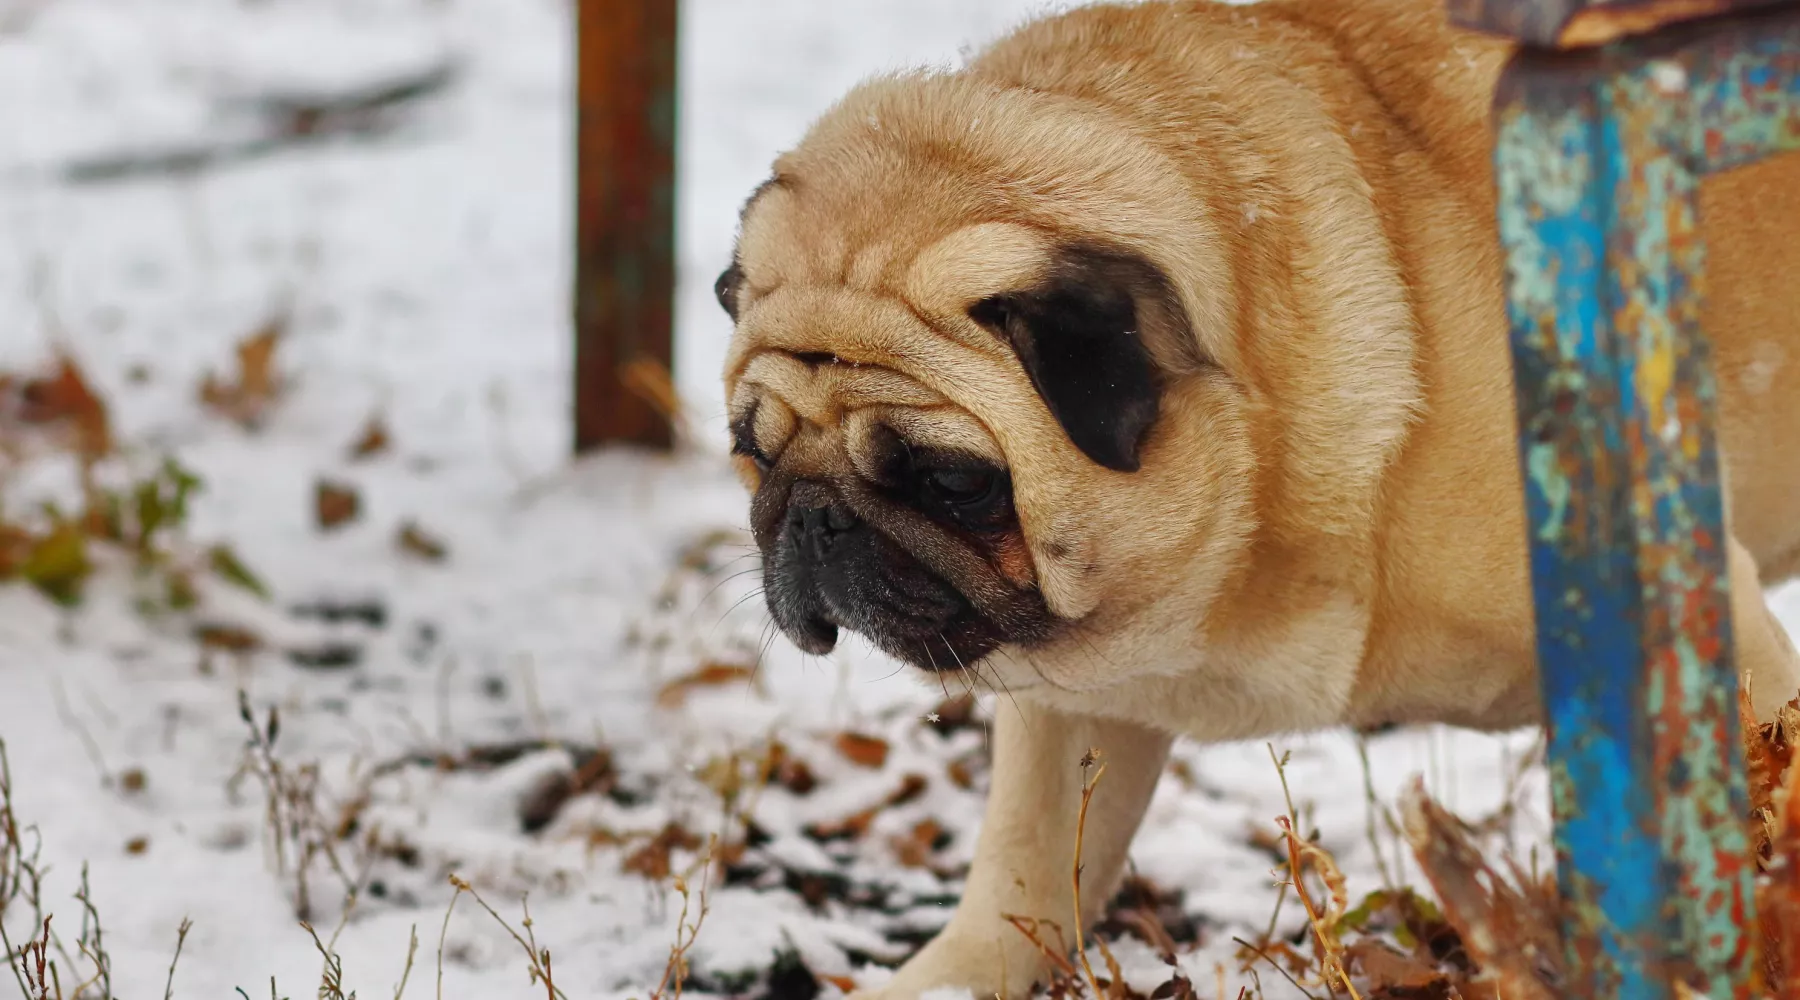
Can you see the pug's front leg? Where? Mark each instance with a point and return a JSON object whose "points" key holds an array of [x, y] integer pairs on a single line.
{"points": [[1025, 855]]}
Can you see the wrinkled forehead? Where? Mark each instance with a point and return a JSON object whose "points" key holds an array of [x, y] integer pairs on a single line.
{"points": [[841, 407]]}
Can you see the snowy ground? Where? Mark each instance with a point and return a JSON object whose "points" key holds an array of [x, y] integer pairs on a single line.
{"points": [[424, 276]]}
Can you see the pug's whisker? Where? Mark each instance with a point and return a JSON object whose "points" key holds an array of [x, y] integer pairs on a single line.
{"points": [[722, 581], [747, 598]]}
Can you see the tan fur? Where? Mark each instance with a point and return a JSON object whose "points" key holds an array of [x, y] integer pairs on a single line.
{"points": [[1327, 525]]}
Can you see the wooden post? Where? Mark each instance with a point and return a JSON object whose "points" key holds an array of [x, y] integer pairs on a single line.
{"points": [[625, 216], [1598, 158]]}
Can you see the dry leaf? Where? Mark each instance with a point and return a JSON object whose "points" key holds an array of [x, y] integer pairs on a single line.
{"points": [[844, 983], [335, 504], [916, 848], [137, 846], [247, 398], [373, 441], [415, 540], [864, 751], [65, 397], [853, 827], [674, 693], [961, 775], [1387, 970], [230, 638], [1509, 926], [653, 859]]}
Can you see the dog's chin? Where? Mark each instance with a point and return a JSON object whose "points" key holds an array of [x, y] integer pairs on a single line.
{"points": [[960, 647], [959, 644]]}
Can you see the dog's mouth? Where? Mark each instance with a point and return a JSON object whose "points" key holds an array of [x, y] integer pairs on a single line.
{"points": [[864, 583]]}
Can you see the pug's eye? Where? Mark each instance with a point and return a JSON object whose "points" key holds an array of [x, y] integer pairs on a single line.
{"points": [[743, 442], [973, 497], [961, 486]]}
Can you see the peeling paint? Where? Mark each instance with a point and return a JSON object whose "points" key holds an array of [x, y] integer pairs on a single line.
{"points": [[1598, 159]]}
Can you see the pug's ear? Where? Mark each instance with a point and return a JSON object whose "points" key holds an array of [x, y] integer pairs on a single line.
{"points": [[1080, 333], [725, 289]]}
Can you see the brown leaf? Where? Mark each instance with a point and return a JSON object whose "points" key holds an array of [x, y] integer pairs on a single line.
{"points": [[137, 846], [230, 638], [415, 540], [953, 714], [256, 386], [335, 504], [844, 983], [653, 859], [65, 397], [1387, 969], [961, 775], [1509, 926], [852, 827], [864, 751], [855, 826], [675, 693], [914, 850], [373, 441]]}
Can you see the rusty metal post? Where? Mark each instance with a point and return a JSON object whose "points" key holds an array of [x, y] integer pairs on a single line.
{"points": [[625, 216], [1598, 158]]}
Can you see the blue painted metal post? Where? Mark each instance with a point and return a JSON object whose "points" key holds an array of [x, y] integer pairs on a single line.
{"points": [[1598, 158]]}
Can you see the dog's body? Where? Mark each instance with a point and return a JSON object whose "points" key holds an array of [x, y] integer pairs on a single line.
{"points": [[1154, 368]]}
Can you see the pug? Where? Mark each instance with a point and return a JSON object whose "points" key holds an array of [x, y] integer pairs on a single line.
{"points": [[1152, 369]]}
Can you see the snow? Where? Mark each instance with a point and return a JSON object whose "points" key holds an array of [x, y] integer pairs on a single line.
{"points": [[425, 274]]}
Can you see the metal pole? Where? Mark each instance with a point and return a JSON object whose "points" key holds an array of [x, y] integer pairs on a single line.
{"points": [[625, 216]]}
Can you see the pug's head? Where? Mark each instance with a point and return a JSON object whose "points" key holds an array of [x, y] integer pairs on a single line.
{"points": [[976, 383]]}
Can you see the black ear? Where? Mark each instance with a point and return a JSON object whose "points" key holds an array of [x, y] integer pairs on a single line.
{"points": [[725, 289], [1080, 333]]}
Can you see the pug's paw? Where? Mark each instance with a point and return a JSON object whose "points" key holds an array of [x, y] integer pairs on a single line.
{"points": [[989, 963]]}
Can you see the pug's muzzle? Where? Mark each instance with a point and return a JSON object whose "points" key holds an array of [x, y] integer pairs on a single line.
{"points": [[827, 569]]}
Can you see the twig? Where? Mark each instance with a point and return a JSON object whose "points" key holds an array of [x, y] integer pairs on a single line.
{"points": [[412, 949], [1088, 761], [180, 939], [331, 979], [1029, 926], [675, 973], [1372, 806], [1265, 956], [539, 959], [444, 933], [1330, 949]]}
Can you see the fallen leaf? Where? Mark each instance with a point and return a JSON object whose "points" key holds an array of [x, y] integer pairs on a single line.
{"points": [[416, 541], [229, 567], [790, 772], [960, 775], [864, 751], [914, 850], [57, 563], [674, 693], [246, 400], [541, 805], [65, 397], [1389, 970], [335, 504], [373, 440], [137, 846], [15, 547], [231, 638], [844, 983], [856, 825], [134, 780], [653, 859]]}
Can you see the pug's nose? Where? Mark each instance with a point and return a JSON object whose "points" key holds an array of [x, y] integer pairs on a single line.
{"points": [[813, 529]]}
